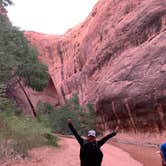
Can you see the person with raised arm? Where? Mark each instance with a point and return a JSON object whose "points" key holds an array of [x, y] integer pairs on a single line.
{"points": [[90, 153]]}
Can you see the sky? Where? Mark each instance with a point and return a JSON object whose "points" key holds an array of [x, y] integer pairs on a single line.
{"points": [[49, 16]]}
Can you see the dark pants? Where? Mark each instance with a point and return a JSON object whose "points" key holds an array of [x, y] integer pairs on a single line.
{"points": [[90, 164], [83, 164], [93, 165], [92, 161]]}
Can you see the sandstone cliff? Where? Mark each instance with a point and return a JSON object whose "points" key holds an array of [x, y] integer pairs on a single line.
{"points": [[115, 59]]}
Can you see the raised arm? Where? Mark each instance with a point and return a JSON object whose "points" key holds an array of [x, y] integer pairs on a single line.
{"points": [[107, 137], [73, 130]]}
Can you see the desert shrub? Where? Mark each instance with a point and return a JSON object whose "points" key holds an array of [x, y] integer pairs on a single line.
{"points": [[56, 118], [20, 134], [7, 106]]}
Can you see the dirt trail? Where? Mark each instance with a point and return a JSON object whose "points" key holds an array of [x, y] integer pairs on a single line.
{"points": [[67, 154], [149, 156]]}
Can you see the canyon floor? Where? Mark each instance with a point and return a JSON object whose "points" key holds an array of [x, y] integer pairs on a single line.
{"points": [[67, 154]]}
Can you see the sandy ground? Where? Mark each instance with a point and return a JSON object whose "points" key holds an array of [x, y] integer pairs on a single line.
{"points": [[67, 154], [148, 156]]}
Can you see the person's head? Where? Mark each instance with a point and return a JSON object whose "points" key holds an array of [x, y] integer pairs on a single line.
{"points": [[91, 136]]}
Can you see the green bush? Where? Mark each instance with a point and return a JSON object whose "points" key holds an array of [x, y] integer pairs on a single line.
{"points": [[8, 107], [56, 118], [23, 134]]}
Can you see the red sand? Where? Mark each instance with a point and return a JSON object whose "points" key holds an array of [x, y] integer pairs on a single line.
{"points": [[146, 155], [67, 154]]}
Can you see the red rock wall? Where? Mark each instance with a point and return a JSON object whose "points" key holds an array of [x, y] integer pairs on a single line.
{"points": [[115, 59], [27, 98]]}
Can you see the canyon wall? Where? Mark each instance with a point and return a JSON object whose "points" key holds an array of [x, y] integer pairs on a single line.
{"points": [[115, 59]]}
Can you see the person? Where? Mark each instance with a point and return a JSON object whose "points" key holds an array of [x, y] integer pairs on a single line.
{"points": [[90, 153], [163, 153]]}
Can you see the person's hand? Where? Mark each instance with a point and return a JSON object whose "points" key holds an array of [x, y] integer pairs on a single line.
{"points": [[116, 129], [69, 121]]}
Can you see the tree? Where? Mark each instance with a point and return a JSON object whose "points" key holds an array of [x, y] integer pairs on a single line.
{"points": [[19, 58], [83, 116]]}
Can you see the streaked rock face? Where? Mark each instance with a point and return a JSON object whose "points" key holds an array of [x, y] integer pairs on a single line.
{"points": [[115, 59], [27, 98]]}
